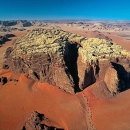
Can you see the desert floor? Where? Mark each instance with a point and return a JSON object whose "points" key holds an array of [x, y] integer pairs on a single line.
{"points": [[19, 99]]}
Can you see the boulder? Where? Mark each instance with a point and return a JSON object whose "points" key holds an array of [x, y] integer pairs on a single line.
{"points": [[3, 80]]}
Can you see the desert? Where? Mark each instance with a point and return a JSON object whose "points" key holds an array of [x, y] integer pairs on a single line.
{"points": [[68, 75]]}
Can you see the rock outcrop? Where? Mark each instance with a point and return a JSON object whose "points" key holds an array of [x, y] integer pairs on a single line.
{"points": [[7, 29], [3, 39], [69, 61], [3, 80], [8, 35], [34, 123], [111, 80]]}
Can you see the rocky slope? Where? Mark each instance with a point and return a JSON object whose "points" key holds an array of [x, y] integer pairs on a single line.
{"points": [[22, 23], [69, 61]]}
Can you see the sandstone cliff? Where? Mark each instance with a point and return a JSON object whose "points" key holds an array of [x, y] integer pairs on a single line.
{"points": [[69, 61]]}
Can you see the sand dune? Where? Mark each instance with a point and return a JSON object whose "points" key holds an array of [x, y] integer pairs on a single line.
{"points": [[109, 114], [19, 99]]}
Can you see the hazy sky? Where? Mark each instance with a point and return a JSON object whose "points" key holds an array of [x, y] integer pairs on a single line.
{"points": [[65, 9]]}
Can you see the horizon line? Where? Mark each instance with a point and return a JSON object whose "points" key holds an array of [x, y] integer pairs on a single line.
{"points": [[65, 19]]}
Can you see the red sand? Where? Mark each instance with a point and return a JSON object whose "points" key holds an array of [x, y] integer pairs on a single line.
{"points": [[19, 99], [15, 101], [112, 114], [119, 40]]}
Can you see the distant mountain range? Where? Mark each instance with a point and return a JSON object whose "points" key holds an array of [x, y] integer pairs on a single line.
{"points": [[28, 23]]}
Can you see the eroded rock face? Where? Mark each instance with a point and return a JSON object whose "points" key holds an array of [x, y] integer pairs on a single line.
{"points": [[67, 60], [34, 122], [111, 80]]}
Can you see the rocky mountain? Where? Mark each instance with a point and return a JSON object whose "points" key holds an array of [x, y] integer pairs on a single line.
{"points": [[86, 25], [22, 23], [8, 29], [69, 61]]}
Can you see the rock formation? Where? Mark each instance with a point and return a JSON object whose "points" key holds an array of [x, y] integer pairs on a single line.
{"points": [[69, 61], [23, 23], [34, 123], [8, 35], [3, 39], [7, 29], [3, 80], [111, 80]]}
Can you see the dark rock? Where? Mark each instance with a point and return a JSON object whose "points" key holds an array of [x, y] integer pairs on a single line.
{"points": [[27, 24], [9, 35], [3, 80], [5, 66], [3, 39], [21, 29], [13, 79], [9, 23]]}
